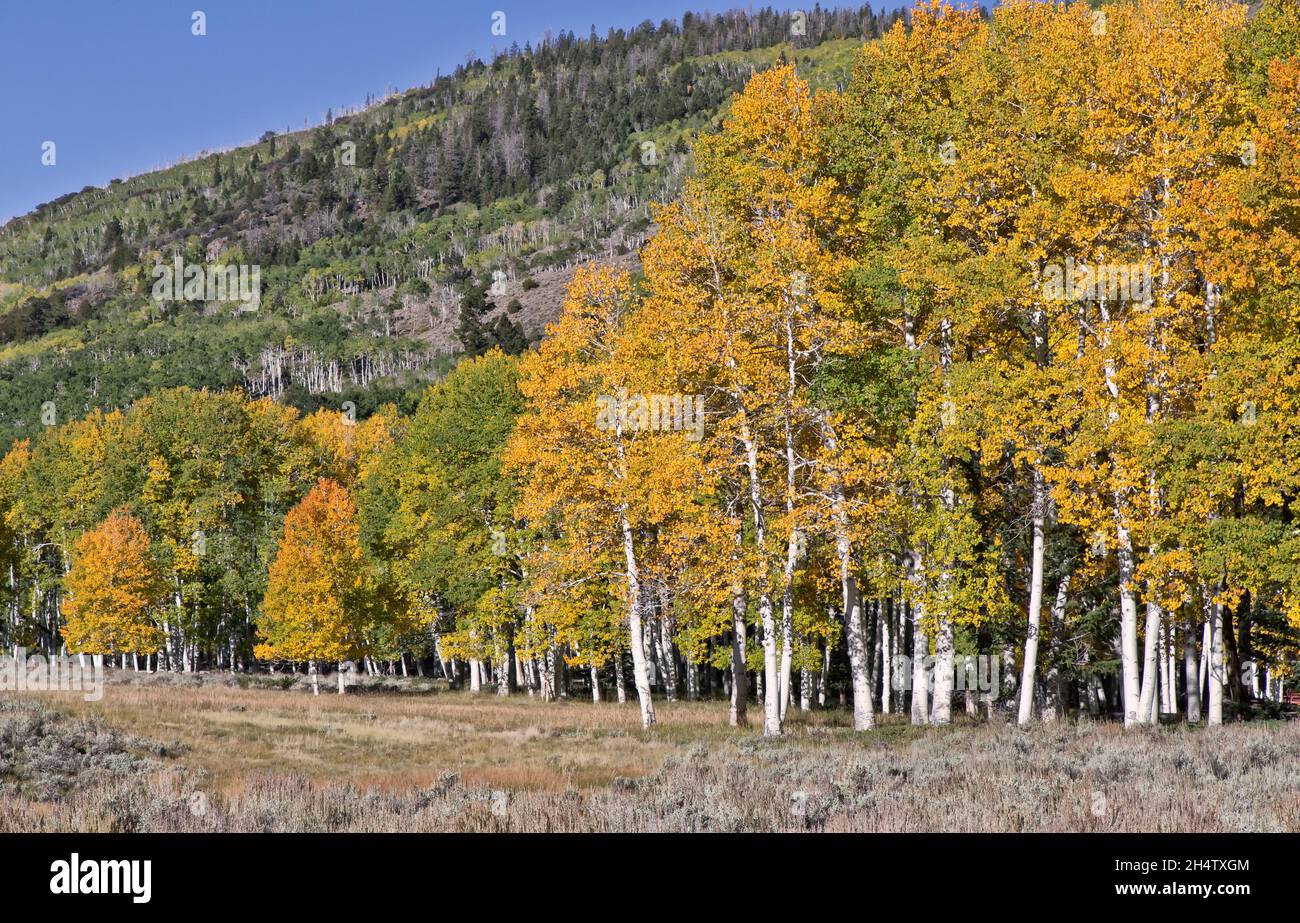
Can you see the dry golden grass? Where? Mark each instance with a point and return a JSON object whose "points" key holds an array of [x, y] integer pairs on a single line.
{"points": [[432, 760], [396, 741]]}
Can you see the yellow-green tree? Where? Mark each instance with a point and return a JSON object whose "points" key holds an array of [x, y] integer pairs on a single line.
{"points": [[317, 604]]}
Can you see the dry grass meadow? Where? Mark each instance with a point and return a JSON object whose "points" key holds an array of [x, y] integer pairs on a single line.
{"points": [[202, 753]]}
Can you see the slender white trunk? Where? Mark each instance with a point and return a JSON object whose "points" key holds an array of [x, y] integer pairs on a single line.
{"points": [[766, 616], [1030, 670], [640, 675], [1205, 654], [737, 716], [1150, 664], [1191, 667], [1215, 714], [886, 655], [941, 707], [864, 715], [920, 678], [1166, 664], [1128, 623], [823, 676], [792, 541]]}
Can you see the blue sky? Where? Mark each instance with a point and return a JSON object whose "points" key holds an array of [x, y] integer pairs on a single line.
{"points": [[123, 87]]}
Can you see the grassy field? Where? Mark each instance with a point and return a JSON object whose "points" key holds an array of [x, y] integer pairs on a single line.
{"points": [[202, 753]]}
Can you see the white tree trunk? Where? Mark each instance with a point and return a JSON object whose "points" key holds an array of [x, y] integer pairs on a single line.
{"points": [[864, 717], [1215, 714], [738, 715], [886, 657], [1191, 667], [1150, 665], [1030, 669], [941, 707], [1205, 654], [640, 675], [1130, 684], [920, 678]]}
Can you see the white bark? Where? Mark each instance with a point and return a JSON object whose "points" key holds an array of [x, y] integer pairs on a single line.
{"points": [[1130, 686], [920, 679], [640, 675], [1150, 664], [941, 707], [1216, 677], [737, 715], [864, 717], [886, 656], [1191, 667], [1030, 669]]}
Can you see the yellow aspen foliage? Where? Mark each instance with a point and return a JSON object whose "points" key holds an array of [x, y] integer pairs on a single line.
{"points": [[113, 586], [317, 599]]}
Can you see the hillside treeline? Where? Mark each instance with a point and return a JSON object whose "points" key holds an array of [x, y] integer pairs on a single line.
{"points": [[385, 234]]}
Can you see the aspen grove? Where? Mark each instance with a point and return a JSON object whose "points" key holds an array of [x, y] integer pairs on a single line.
{"points": [[984, 365]]}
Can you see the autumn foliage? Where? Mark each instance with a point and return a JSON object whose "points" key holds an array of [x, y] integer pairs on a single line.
{"points": [[114, 586], [990, 351], [316, 597]]}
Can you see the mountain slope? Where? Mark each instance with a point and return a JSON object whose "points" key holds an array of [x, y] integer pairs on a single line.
{"points": [[445, 219]]}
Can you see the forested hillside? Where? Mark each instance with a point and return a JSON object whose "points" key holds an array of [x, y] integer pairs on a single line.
{"points": [[971, 381], [445, 219]]}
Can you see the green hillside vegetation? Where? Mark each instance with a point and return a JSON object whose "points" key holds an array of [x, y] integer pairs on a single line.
{"points": [[440, 221]]}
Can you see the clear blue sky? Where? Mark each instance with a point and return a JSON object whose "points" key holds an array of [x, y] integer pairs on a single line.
{"points": [[122, 86]]}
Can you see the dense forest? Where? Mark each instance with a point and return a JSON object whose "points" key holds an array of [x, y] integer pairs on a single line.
{"points": [[439, 221], [984, 359]]}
